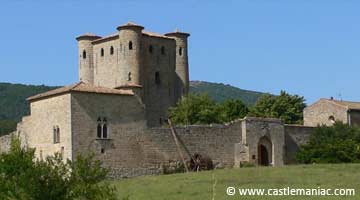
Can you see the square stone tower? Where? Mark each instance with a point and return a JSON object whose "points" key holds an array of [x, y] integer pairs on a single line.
{"points": [[154, 66]]}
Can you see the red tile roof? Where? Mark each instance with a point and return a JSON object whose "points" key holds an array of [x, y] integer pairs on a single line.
{"points": [[129, 85], [350, 105], [81, 87]]}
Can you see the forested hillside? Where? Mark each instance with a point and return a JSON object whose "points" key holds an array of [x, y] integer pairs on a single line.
{"points": [[13, 103], [220, 92]]}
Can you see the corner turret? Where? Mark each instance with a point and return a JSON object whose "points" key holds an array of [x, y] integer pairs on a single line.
{"points": [[182, 64], [86, 62], [130, 36]]}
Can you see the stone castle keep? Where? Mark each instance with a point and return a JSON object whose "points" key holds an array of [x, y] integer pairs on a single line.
{"points": [[128, 81], [154, 66]]}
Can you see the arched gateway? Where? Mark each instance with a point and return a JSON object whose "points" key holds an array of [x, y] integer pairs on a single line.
{"points": [[264, 151]]}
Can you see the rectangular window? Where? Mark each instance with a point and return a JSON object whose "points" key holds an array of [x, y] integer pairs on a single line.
{"points": [[56, 134]]}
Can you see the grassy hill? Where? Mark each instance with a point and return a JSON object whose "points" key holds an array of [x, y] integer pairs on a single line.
{"points": [[220, 92], [13, 104], [201, 186]]}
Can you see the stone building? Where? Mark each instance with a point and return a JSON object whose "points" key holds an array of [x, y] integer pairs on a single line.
{"points": [[127, 82], [327, 111], [155, 66]]}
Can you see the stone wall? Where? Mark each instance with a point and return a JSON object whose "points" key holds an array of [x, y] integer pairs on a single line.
{"points": [[295, 136], [158, 96], [214, 141], [355, 118], [257, 129], [107, 70], [38, 128], [5, 142], [125, 117]]}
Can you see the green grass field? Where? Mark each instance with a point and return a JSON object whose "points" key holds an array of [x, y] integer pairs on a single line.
{"points": [[193, 186]]}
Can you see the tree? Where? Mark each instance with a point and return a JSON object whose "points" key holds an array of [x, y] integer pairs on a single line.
{"points": [[232, 109], [288, 108], [23, 177], [195, 109], [335, 144], [7, 126]]}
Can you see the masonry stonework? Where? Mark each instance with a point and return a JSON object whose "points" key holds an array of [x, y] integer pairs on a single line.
{"points": [[295, 136], [134, 58], [322, 112]]}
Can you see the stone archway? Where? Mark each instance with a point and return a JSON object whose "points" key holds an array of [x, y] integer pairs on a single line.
{"points": [[265, 151]]}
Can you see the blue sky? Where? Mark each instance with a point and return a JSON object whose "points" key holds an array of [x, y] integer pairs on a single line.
{"points": [[310, 48]]}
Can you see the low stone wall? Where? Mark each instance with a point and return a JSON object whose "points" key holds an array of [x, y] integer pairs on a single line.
{"points": [[214, 141], [121, 172], [295, 136], [5, 142], [149, 152]]}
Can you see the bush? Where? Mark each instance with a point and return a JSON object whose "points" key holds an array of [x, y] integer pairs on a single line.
{"points": [[200, 109], [336, 144], [25, 178], [288, 108], [173, 167], [7, 126]]}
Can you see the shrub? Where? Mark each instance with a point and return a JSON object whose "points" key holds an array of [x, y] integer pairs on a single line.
{"points": [[288, 108], [336, 144], [25, 178], [200, 109]]}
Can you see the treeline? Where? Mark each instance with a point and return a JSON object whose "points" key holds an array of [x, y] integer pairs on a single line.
{"points": [[201, 109], [7, 126]]}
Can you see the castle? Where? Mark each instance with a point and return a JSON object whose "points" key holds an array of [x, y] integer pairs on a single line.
{"points": [[127, 82], [154, 66]]}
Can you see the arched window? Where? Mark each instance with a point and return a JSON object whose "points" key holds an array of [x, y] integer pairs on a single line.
{"points": [[157, 78], [162, 50], [180, 51], [84, 54], [102, 128], [102, 52], [130, 45], [99, 128], [129, 76], [150, 49], [111, 50], [332, 119], [105, 131]]}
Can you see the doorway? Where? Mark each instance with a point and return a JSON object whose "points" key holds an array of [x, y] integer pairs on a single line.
{"points": [[264, 151]]}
